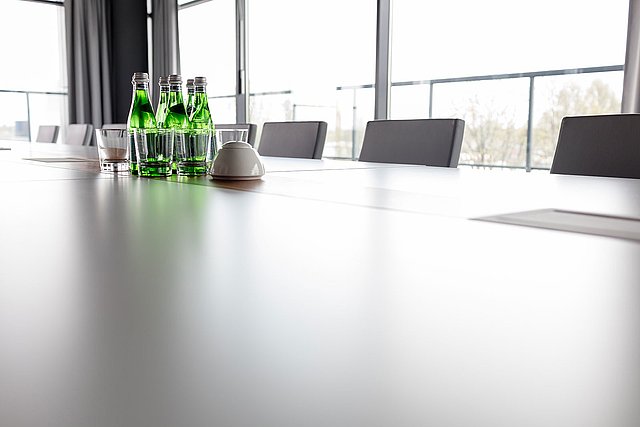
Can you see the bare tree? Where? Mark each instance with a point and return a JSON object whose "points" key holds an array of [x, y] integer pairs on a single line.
{"points": [[572, 99], [492, 136]]}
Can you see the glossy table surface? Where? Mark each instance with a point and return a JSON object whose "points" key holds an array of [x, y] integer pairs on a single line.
{"points": [[329, 293]]}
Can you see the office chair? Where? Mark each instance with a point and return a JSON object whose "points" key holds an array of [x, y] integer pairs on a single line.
{"points": [[303, 140], [251, 129], [599, 145], [48, 133], [79, 134], [431, 142]]}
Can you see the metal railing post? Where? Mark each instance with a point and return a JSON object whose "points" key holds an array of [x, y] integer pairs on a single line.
{"points": [[430, 99], [242, 93], [353, 126], [529, 125], [28, 117], [383, 60]]}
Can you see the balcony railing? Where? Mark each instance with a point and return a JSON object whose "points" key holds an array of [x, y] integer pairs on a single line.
{"points": [[281, 105], [26, 125], [531, 76]]}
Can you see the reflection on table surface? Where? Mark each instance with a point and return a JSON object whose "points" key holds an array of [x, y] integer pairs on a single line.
{"points": [[337, 296]]}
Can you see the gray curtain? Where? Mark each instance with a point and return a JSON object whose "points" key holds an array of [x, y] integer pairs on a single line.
{"points": [[631, 85], [166, 50], [88, 61]]}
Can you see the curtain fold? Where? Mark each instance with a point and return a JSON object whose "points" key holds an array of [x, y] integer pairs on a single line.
{"points": [[165, 42], [631, 84], [88, 61]]}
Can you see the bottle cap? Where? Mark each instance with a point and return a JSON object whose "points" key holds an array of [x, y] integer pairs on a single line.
{"points": [[200, 81], [163, 80], [139, 77], [175, 79], [189, 82]]}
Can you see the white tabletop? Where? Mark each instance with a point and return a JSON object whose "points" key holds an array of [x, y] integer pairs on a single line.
{"points": [[370, 299]]}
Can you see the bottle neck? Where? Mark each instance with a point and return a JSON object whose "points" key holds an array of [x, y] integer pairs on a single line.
{"points": [[201, 97], [164, 89], [140, 93], [175, 93], [201, 93], [141, 86]]}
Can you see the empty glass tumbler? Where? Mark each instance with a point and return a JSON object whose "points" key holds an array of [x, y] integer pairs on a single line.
{"points": [[113, 150], [154, 148]]}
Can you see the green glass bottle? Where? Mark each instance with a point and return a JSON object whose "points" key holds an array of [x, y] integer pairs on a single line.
{"points": [[190, 97], [163, 101], [201, 129], [177, 118], [141, 115]]}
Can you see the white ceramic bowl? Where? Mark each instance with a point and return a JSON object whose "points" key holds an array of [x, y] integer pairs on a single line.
{"points": [[237, 160]]}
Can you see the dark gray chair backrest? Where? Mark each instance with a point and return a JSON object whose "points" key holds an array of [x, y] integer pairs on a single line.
{"points": [[251, 128], [48, 133], [599, 145], [304, 140], [431, 142], [79, 134]]}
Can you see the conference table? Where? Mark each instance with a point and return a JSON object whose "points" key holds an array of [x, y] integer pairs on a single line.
{"points": [[327, 293]]}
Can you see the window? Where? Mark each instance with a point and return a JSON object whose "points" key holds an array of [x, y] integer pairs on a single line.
{"points": [[33, 91], [480, 61], [208, 48], [511, 73], [307, 61]]}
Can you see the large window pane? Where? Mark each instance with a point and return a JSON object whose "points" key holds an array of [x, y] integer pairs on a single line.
{"points": [[48, 109], [559, 96], [300, 53], [208, 48], [495, 114], [35, 68], [436, 41], [410, 101], [355, 109], [36, 59], [14, 116], [223, 108]]}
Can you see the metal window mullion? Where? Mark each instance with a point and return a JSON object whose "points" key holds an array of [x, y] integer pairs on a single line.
{"points": [[529, 125], [28, 116], [354, 118], [631, 78], [242, 94], [430, 100], [383, 60]]}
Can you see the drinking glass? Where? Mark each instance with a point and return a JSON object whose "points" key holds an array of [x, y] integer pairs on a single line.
{"points": [[192, 149], [228, 135], [154, 148], [113, 150]]}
